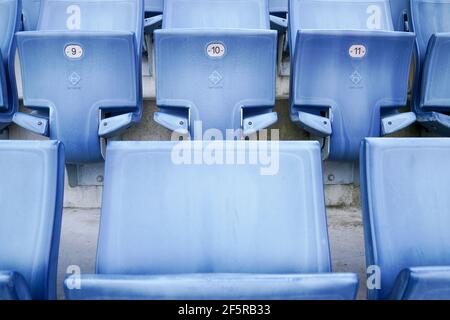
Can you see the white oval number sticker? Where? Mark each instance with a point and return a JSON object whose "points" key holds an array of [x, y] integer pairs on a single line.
{"points": [[357, 51], [215, 50], [73, 51]]}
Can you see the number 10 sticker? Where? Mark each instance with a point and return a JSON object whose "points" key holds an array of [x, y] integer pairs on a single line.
{"points": [[357, 51], [73, 51], [215, 50]]}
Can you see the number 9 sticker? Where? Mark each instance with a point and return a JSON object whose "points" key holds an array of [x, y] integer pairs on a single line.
{"points": [[73, 51], [215, 50], [357, 51]]}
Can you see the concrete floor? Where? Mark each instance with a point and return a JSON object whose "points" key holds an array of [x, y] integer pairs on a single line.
{"points": [[80, 231]]}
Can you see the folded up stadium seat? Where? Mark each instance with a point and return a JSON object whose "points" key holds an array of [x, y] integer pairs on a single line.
{"points": [[178, 222], [81, 73], [208, 70], [406, 216], [432, 76], [349, 72], [401, 14], [30, 14], [31, 197], [9, 25]]}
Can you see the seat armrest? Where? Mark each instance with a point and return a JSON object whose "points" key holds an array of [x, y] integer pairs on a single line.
{"points": [[152, 23], [435, 122], [253, 124], [316, 125], [177, 123], [329, 286], [13, 286], [278, 23], [393, 123], [422, 283], [114, 126], [36, 124]]}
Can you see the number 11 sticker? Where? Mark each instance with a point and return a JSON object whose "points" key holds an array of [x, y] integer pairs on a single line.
{"points": [[357, 51]]}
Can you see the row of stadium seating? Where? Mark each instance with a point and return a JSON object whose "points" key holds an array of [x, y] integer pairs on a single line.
{"points": [[400, 11], [399, 8], [215, 63], [173, 229], [30, 9]]}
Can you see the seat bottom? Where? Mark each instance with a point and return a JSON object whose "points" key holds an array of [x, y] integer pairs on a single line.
{"points": [[329, 286]]}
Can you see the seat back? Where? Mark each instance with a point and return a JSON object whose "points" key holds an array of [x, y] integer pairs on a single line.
{"points": [[401, 14], [428, 18], [8, 22], [94, 16], [30, 14], [405, 207], [231, 14], [215, 90], [278, 6], [435, 95], [338, 15], [172, 208], [75, 90], [9, 25], [31, 198], [352, 90], [153, 6]]}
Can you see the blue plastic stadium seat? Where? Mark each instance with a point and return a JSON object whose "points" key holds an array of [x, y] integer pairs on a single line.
{"points": [[406, 216], [215, 78], [401, 14], [169, 230], [9, 25], [30, 14], [31, 198], [221, 93], [154, 6], [431, 23], [349, 72], [81, 73]]}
